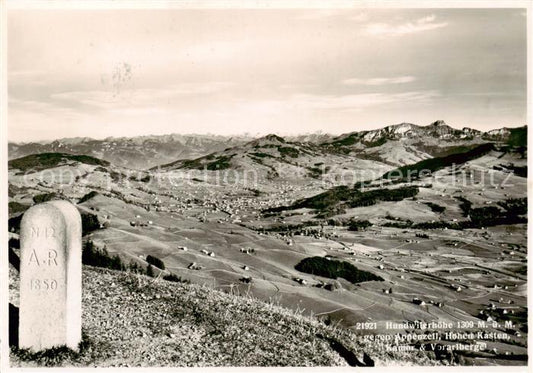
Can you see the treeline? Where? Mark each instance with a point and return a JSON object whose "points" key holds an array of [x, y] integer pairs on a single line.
{"points": [[118, 177], [435, 208], [368, 198], [319, 202], [335, 199], [16, 207], [334, 269], [89, 223], [398, 223], [518, 170], [100, 257], [511, 211], [155, 262], [88, 196], [45, 197], [465, 205], [210, 162], [295, 228], [358, 225], [374, 196], [414, 171], [516, 206], [518, 137], [492, 215]]}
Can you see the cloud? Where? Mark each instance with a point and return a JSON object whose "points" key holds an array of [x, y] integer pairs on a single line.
{"points": [[166, 71], [311, 102], [109, 99], [358, 101], [379, 81], [422, 24]]}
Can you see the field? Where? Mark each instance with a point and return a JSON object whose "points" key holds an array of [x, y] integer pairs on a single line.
{"points": [[218, 234]]}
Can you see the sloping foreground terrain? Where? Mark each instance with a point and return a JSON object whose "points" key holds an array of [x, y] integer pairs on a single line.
{"points": [[132, 320]]}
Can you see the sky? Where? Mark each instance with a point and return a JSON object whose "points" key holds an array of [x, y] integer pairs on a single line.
{"points": [[100, 73]]}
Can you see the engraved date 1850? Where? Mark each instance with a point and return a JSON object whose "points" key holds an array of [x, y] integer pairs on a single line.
{"points": [[43, 284]]}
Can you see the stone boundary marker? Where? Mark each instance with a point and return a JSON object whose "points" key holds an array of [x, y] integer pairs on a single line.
{"points": [[50, 276]]}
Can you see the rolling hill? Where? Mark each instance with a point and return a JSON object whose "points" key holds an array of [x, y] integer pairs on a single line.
{"points": [[265, 153], [43, 161]]}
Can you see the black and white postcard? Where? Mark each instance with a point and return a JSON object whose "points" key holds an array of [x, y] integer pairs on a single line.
{"points": [[265, 184]]}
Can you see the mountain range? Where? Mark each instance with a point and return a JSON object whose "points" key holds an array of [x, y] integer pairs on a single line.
{"points": [[139, 152], [394, 145]]}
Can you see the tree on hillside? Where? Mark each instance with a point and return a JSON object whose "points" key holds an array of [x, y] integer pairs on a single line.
{"points": [[89, 223], [150, 271], [156, 262], [135, 267], [94, 256]]}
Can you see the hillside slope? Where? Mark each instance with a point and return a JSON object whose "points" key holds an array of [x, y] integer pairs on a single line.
{"points": [[274, 157], [43, 161], [133, 320]]}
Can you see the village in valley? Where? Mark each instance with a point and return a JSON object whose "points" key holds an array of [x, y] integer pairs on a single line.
{"points": [[448, 246]]}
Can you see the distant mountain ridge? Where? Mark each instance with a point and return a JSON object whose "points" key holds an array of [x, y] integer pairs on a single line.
{"points": [[438, 129], [139, 152], [396, 145], [407, 143], [267, 153]]}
